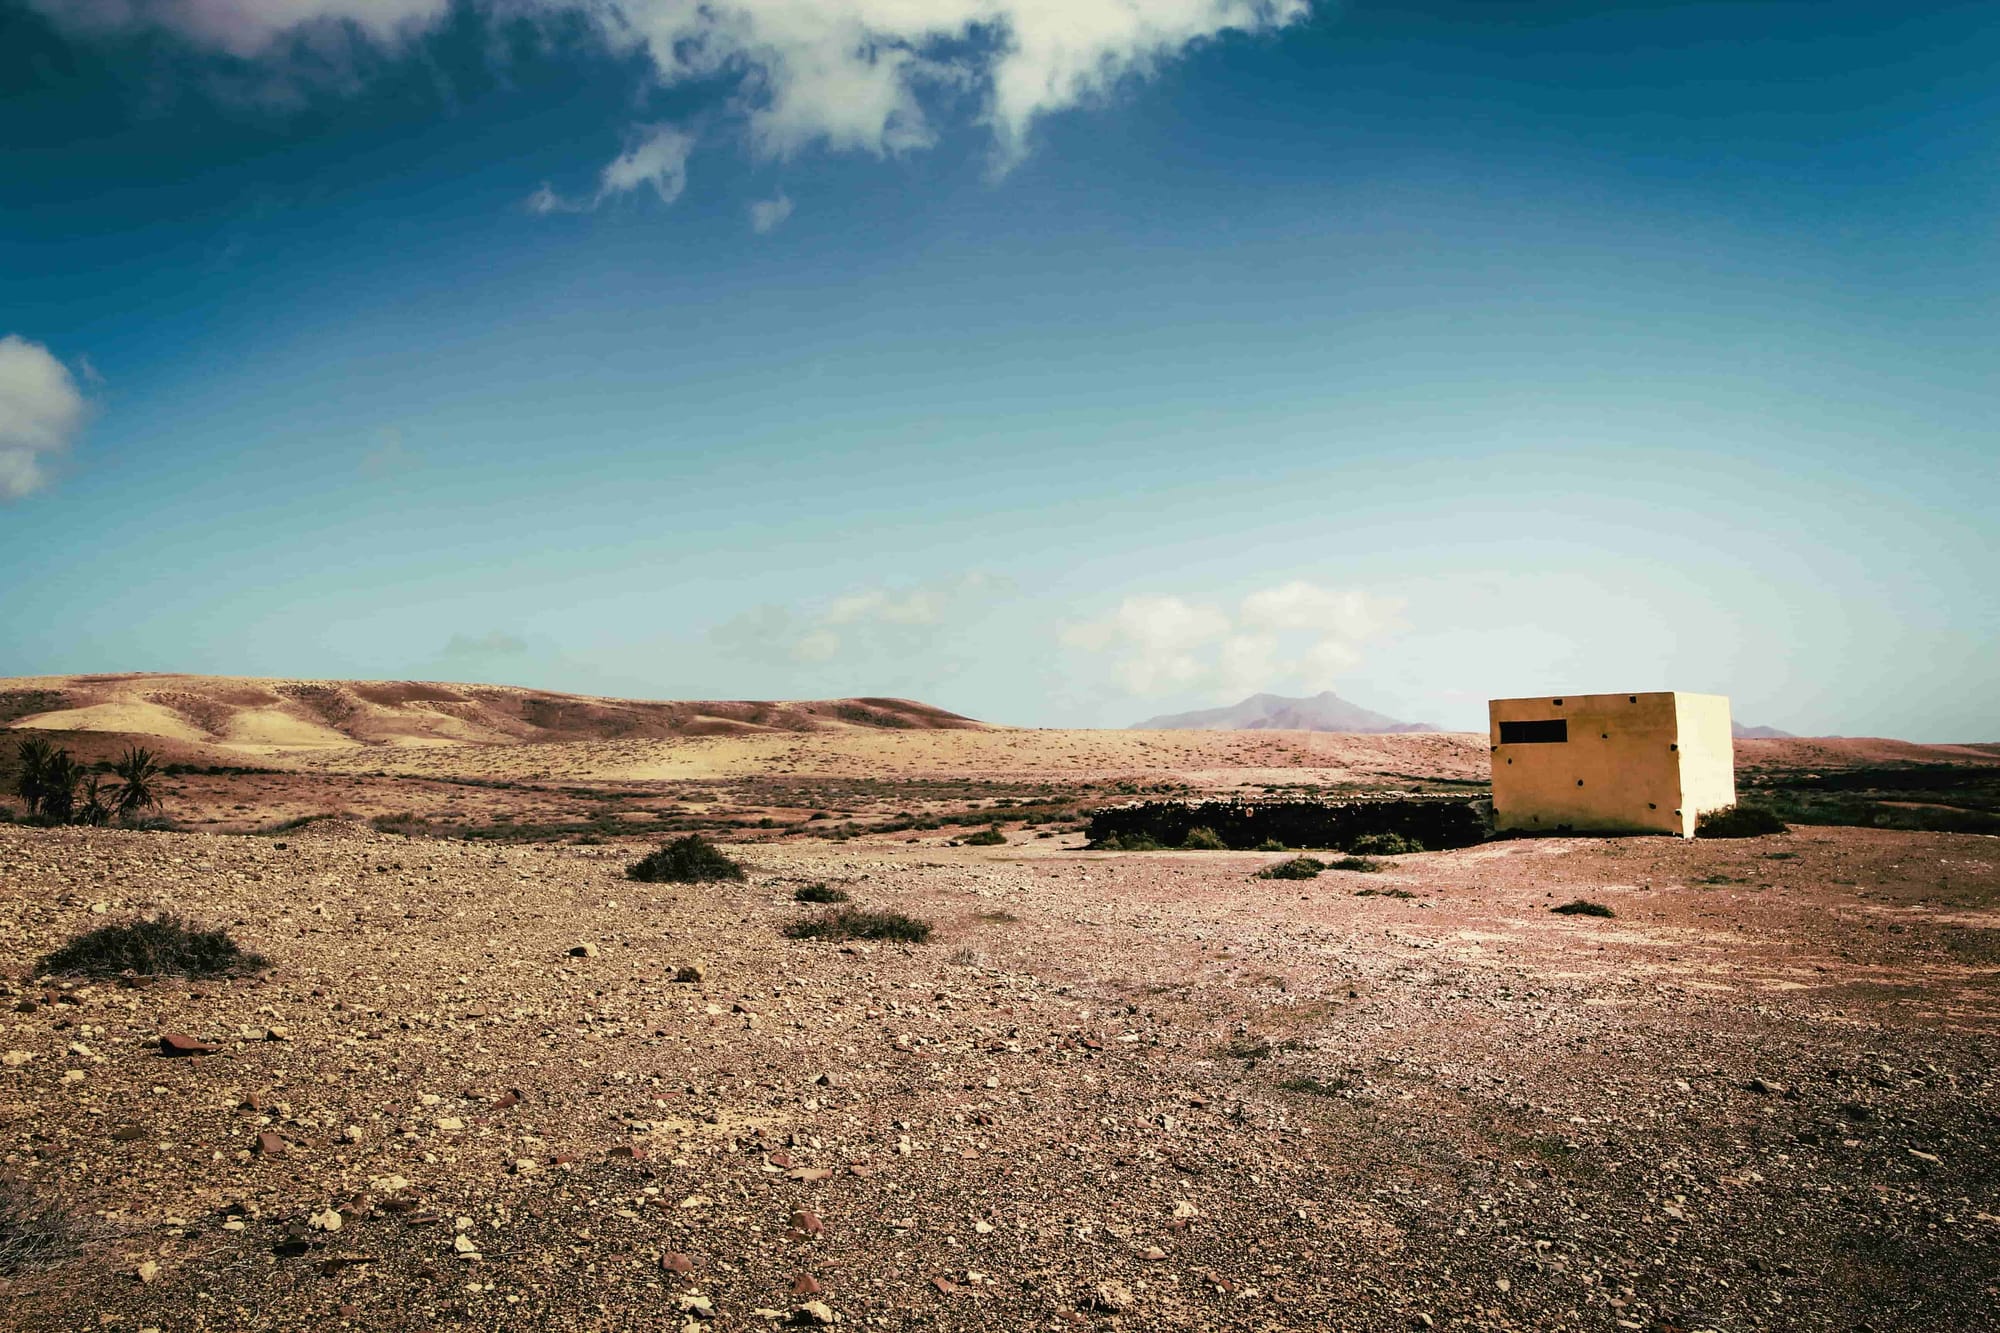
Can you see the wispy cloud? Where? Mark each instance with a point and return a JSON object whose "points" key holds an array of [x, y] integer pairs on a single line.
{"points": [[41, 413], [872, 76], [766, 215], [657, 157], [1291, 634], [880, 620]]}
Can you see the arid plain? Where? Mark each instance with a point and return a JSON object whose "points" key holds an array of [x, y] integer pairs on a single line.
{"points": [[489, 1082]]}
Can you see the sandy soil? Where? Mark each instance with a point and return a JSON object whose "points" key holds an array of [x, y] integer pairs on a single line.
{"points": [[1113, 1091]]}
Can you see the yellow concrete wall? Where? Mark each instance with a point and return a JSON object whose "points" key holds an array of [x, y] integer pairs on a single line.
{"points": [[1708, 757], [1623, 768]]}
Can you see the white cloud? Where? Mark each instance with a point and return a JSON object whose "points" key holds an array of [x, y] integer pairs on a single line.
{"points": [[1294, 634], [248, 28], [767, 214], [41, 412], [657, 157], [849, 75], [545, 201], [892, 622]]}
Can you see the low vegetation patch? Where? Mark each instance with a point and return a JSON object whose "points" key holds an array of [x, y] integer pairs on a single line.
{"points": [[1738, 821], [689, 860], [986, 837], [1271, 845], [1242, 1048], [1127, 842], [1299, 867], [1384, 844], [35, 1231], [1360, 865], [818, 893], [1582, 907], [854, 923], [1318, 1087], [165, 945], [1204, 839], [1384, 893]]}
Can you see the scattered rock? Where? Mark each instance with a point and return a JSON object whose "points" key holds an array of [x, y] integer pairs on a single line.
{"points": [[179, 1043]]}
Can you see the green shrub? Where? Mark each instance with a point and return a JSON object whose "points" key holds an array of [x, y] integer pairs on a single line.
{"points": [[1738, 821], [1299, 867], [986, 837], [1583, 907], [1360, 865], [1384, 844], [854, 923], [818, 893], [689, 860], [1127, 842], [1204, 839], [1272, 845], [164, 945]]}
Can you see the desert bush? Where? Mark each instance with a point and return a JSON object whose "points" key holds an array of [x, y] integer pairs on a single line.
{"points": [[818, 893], [1404, 894], [854, 923], [1127, 842], [1583, 907], [35, 1231], [689, 860], [1203, 839], [1384, 844], [1360, 865], [1271, 845], [1738, 821], [1299, 867], [986, 837], [164, 945]]}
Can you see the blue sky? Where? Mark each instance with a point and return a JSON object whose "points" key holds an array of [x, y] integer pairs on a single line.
{"points": [[1050, 365]]}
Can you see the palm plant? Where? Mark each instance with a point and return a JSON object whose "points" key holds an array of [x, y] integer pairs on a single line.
{"points": [[35, 754], [60, 775], [96, 809], [138, 772]]}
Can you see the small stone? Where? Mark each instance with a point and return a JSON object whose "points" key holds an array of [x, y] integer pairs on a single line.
{"points": [[179, 1043], [808, 1223], [450, 1123], [330, 1220], [1765, 1087], [693, 1302], [584, 951], [1155, 1253], [15, 1059], [805, 1284], [270, 1145], [690, 972], [127, 1133], [525, 1166], [147, 1271], [814, 1314], [464, 1244], [354, 1134], [1113, 1297], [673, 1261]]}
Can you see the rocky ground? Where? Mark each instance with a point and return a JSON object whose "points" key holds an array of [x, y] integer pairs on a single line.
{"points": [[1113, 1091]]}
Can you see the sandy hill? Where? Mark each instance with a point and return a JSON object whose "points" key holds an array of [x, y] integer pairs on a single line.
{"points": [[1325, 711], [255, 713]]}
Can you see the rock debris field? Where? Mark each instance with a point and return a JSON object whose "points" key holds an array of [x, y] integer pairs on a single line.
{"points": [[507, 1088]]}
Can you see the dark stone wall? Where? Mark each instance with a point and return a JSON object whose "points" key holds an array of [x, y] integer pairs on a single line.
{"points": [[1435, 821]]}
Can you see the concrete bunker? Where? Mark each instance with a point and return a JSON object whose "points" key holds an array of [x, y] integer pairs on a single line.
{"points": [[1611, 763]]}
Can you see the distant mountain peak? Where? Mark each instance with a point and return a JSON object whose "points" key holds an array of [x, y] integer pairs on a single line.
{"points": [[1325, 711]]}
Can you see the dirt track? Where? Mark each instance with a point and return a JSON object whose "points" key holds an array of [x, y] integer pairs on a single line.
{"points": [[1760, 1097]]}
